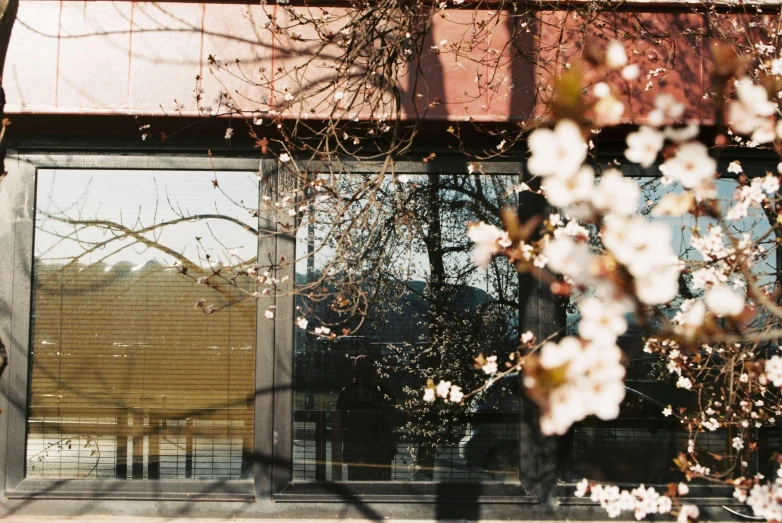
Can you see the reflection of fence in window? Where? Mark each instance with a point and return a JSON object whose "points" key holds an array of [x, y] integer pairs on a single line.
{"points": [[633, 450], [487, 452]]}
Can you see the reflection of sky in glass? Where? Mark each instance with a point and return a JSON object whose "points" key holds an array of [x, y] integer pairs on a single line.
{"points": [[411, 260], [138, 200], [755, 224], [652, 190]]}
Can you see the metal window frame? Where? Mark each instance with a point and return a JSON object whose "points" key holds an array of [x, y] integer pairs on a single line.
{"points": [[539, 313], [18, 194], [272, 468]]}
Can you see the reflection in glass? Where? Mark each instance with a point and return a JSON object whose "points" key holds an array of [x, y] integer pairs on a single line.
{"points": [[129, 379], [642, 442], [358, 408], [363, 424]]}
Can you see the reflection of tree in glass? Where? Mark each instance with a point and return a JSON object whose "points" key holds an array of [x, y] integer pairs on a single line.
{"points": [[426, 302]]}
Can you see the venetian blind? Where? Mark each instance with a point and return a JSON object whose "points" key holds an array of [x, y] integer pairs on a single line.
{"points": [[130, 379]]}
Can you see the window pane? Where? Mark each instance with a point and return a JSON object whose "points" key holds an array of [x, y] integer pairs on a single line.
{"points": [[642, 442], [394, 270], [129, 378]]}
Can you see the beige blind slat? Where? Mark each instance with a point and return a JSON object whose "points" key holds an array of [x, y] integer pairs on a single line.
{"points": [[130, 380]]}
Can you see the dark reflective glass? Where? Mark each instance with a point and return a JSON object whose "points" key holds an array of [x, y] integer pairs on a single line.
{"points": [[641, 444], [404, 287]]}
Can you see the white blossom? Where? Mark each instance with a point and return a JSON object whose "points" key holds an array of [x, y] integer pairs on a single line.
{"points": [[488, 239], [601, 89], [631, 72], [712, 424], [643, 145], [569, 258], [601, 321], [691, 315], [429, 395], [688, 513], [616, 194], [559, 152], [659, 286], [682, 134], [637, 243], [592, 383], [490, 367], [774, 370], [616, 56], [456, 394], [746, 196], [666, 106], [572, 229], [609, 111], [684, 383], [674, 204], [723, 301], [770, 184], [711, 245], [642, 501], [563, 192], [691, 166], [751, 111], [443, 388]]}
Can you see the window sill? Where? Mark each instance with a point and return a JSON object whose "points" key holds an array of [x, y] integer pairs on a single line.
{"points": [[134, 490], [409, 492]]}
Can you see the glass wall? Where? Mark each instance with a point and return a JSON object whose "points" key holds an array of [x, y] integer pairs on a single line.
{"points": [[143, 339], [642, 443], [392, 273]]}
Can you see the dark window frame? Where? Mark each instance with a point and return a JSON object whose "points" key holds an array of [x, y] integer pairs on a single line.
{"points": [[273, 438], [15, 383], [538, 316], [272, 468]]}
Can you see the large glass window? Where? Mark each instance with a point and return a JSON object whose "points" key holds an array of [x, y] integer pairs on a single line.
{"points": [[142, 347], [143, 332], [392, 273], [642, 443]]}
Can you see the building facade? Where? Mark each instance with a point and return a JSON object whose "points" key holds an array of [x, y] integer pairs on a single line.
{"points": [[149, 374]]}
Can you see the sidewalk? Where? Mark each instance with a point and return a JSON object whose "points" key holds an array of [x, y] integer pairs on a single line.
{"points": [[127, 519]]}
